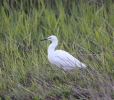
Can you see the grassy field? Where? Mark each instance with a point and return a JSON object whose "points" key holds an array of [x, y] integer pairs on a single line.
{"points": [[84, 28]]}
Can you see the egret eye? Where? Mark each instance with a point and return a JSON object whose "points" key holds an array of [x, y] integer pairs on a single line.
{"points": [[49, 38]]}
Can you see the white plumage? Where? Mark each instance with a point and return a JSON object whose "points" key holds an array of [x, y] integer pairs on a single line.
{"points": [[61, 58]]}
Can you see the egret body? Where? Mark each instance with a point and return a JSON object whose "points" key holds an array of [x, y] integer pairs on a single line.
{"points": [[61, 58]]}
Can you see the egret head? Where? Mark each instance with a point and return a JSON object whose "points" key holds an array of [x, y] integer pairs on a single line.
{"points": [[51, 38]]}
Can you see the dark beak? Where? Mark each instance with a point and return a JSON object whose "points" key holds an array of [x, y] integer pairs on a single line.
{"points": [[44, 39]]}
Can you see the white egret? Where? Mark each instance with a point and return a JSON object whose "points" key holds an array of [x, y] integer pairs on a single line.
{"points": [[61, 58]]}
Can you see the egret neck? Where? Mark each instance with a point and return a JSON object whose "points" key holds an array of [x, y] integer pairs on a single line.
{"points": [[52, 46]]}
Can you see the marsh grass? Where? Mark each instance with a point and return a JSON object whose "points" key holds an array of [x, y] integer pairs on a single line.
{"points": [[84, 29]]}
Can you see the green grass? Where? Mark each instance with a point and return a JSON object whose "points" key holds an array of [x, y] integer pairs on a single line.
{"points": [[84, 29]]}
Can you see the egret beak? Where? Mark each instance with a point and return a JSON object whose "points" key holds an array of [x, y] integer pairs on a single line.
{"points": [[44, 39]]}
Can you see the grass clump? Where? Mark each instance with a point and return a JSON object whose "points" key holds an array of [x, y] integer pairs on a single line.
{"points": [[84, 29]]}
